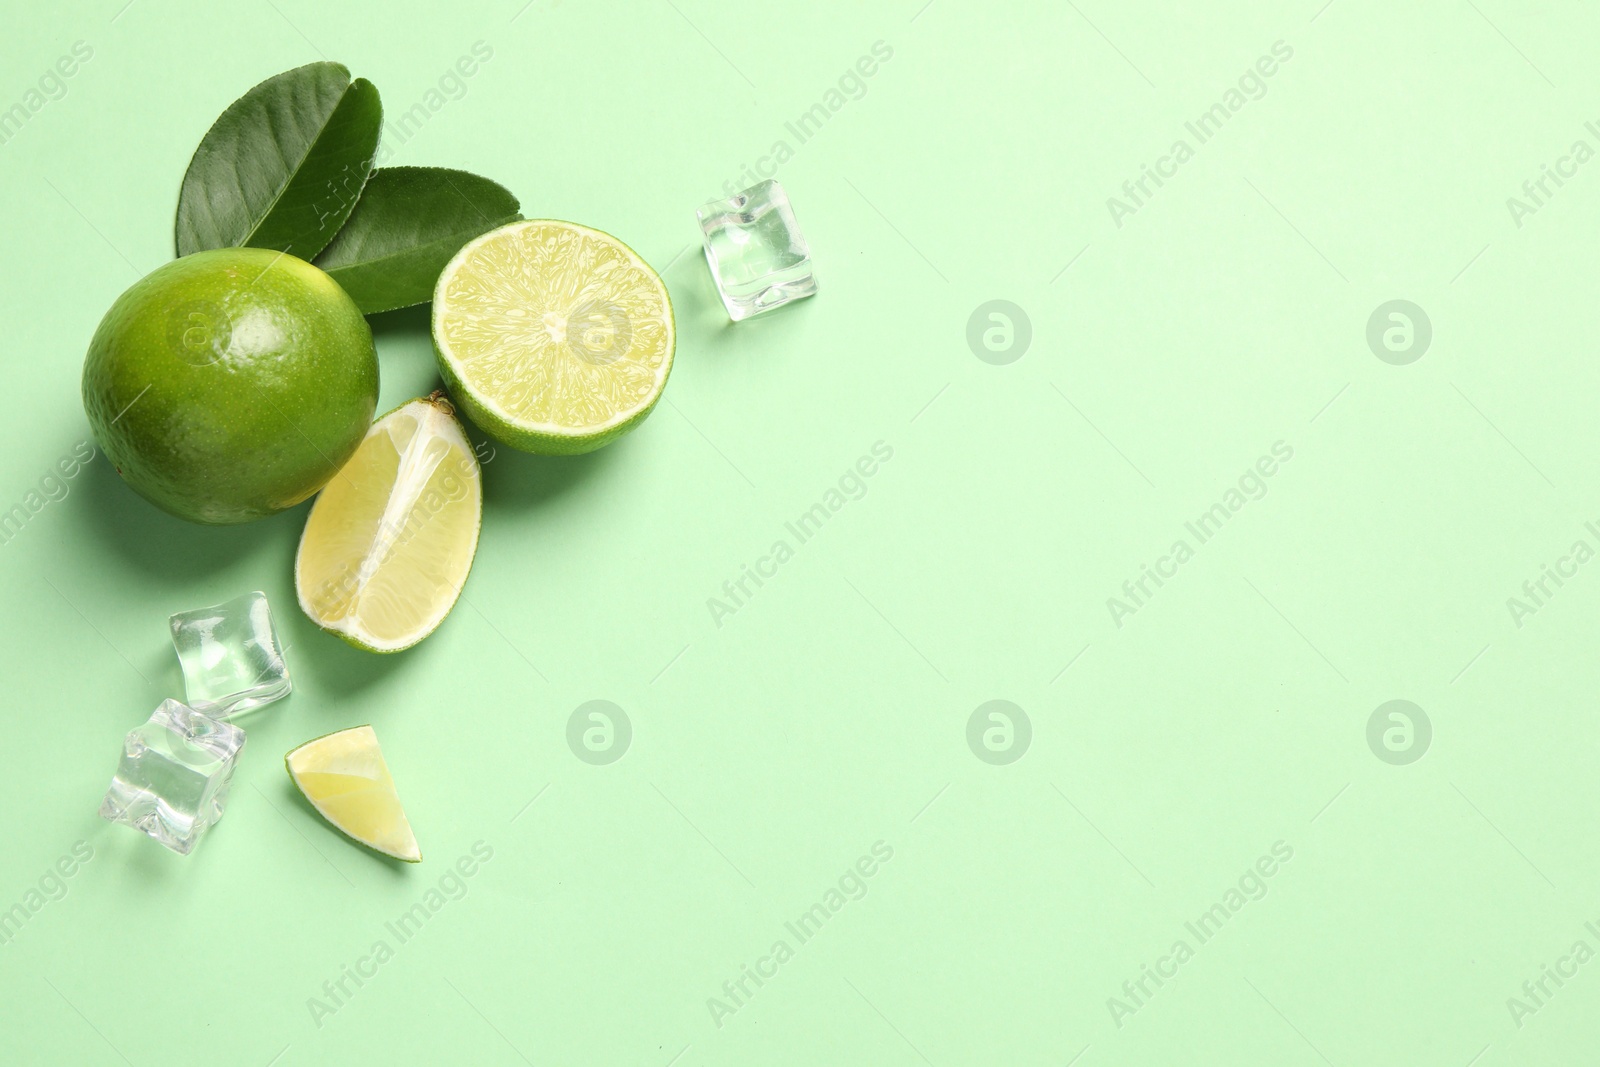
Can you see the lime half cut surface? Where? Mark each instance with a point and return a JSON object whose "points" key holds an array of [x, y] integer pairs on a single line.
{"points": [[388, 544], [553, 337], [345, 778]]}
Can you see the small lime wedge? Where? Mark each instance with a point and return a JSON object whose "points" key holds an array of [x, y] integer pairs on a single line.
{"points": [[345, 778]]}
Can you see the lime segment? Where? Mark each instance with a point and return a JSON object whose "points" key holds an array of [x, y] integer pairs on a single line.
{"points": [[345, 778], [389, 542]]}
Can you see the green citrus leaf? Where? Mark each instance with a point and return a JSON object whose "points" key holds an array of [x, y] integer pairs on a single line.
{"points": [[283, 166], [408, 225]]}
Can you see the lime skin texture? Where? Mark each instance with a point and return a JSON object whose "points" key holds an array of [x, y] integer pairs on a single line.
{"points": [[231, 384]]}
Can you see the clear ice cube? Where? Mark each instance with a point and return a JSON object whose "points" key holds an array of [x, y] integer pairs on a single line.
{"points": [[757, 254], [230, 656], [172, 781]]}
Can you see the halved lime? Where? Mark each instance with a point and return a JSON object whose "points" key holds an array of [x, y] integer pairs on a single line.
{"points": [[554, 338], [346, 779], [389, 542]]}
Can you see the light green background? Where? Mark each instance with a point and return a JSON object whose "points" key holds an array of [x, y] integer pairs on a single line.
{"points": [[1229, 312]]}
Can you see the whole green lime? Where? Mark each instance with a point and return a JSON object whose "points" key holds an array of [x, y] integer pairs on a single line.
{"points": [[231, 384]]}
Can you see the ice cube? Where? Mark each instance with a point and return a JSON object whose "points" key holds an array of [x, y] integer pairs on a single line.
{"points": [[757, 254], [230, 657], [172, 781]]}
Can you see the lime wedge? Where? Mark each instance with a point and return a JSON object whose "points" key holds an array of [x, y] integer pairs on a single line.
{"points": [[389, 542], [554, 338], [347, 781]]}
